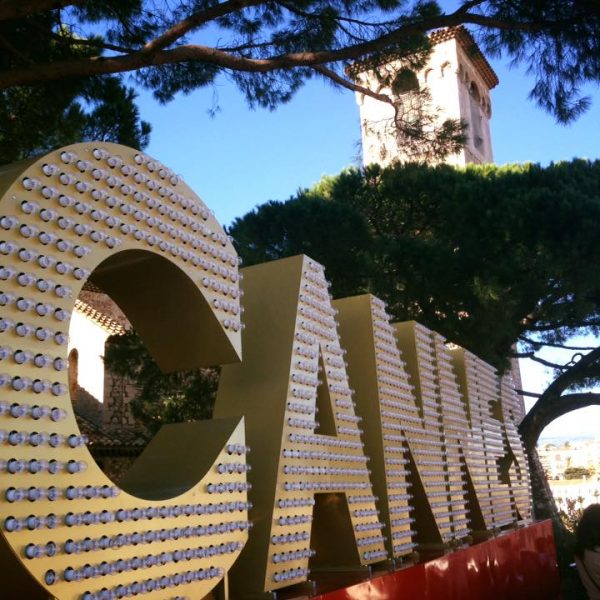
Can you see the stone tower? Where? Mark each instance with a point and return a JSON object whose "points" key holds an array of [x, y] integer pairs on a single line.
{"points": [[459, 79]]}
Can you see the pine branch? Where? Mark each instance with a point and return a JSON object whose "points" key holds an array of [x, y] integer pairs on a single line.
{"points": [[539, 344], [587, 366], [552, 404], [467, 6], [541, 361], [197, 20], [528, 394], [338, 18], [155, 53], [349, 85], [19, 9], [575, 401], [4, 43], [93, 43]]}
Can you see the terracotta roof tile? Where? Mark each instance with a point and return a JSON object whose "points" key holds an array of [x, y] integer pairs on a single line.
{"points": [[466, 40], [101, 440], [107, 323]]}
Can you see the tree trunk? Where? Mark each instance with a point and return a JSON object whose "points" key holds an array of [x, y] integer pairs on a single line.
{"points": [[544, 506]]}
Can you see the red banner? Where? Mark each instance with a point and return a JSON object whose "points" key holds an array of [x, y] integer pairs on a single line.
{"points": [[520, 565]]}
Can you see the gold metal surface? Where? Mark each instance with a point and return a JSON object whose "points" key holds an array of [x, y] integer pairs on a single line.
{"points": [[439, 425], [509, 410], [382, 394], [291, 331], [485, 447], [113, 215], [439, 485]]}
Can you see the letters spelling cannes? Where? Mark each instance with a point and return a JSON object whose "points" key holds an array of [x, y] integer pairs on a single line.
{"points": [[435, 422]]}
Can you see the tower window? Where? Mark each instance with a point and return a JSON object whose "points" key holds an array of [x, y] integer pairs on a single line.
{"points": [[405, 81], [476, 117]]}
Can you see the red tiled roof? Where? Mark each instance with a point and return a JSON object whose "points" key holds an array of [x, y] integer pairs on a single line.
{"points": [[100, 440], [107, 323], [470, 46]]}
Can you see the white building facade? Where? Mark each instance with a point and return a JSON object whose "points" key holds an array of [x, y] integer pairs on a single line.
{"points": [[459, 80]]}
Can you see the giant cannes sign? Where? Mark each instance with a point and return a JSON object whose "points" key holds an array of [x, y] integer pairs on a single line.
{"points": [[369, 440]]}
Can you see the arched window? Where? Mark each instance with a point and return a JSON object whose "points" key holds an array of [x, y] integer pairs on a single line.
{"points": [[476, 117], [405, 81], [444, 68], [73, 371], [487, 107]]}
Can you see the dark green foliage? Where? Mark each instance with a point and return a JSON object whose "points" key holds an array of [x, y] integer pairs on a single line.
{"points": [[162, 398], [271, 48], [486, 255], [330, 233], [577, 473], [34, 120], [168, 80], [561, 61]]}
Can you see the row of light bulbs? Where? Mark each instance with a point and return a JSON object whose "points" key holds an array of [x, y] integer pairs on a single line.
{"points": [[291, 574], [42, 438], [33, 466], [149, 561], [22, 357], [54, 493], [318, 293], [323, 455], [41, 309], [38, 386], [318, 304], [296, 438], [43, 334], [122, 540], [20, 410], [300, 486], [316, 471], [25, 279], [158, 583], [228, 488], [292, 555], [318, 330], [316, 316], [123, 515]]}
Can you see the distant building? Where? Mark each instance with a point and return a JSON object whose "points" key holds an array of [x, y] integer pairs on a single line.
{"points": [[459, 79], [100, 398], [578, 493], [556, 458]]}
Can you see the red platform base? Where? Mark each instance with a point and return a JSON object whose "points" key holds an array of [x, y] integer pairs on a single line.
{"points": [[519, 565]]}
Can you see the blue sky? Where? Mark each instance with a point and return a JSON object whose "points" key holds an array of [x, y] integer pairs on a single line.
{"points": [[578, 423], [241, 158]]}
